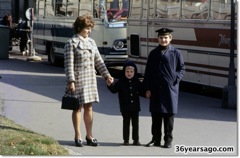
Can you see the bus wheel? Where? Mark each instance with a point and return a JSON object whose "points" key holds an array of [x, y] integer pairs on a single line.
{"points": [[51, 56]]}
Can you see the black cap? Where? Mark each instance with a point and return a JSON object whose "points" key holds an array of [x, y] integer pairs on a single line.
{"points": [[164, 31]]}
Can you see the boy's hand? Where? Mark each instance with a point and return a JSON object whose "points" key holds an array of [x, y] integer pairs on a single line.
{"points": [[148, 94]]}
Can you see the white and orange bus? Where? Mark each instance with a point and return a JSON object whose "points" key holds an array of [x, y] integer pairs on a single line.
{"points": [[53, 26], [201, 32]]}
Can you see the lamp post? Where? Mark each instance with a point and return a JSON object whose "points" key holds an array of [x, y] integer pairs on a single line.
{"points": [[229, 97]]}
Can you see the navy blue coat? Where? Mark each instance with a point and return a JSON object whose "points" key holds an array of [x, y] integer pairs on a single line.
{"points": [[128, 91], [162, 76]]}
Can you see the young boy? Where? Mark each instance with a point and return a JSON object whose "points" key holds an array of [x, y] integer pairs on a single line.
{"points": [[129, 88], [164, 70]]}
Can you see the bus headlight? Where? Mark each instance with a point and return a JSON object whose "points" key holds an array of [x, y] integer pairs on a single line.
{"points": [[118, 45]]}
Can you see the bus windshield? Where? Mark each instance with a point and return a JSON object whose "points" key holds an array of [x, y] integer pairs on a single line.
{"points": [[117, 10], [114, 10]]}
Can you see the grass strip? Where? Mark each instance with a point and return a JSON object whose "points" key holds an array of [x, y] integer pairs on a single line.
{"points": [[17, 140]]}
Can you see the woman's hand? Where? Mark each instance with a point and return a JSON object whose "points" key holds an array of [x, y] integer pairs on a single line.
{"points": [[71, 86], [109, 80]]}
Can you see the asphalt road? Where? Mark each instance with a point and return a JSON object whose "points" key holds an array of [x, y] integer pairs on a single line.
{"points": [[30, 95]]}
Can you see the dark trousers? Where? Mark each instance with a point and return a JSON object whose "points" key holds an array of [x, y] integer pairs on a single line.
{"points": [[23, 45], [127, 117], [168, 120]]}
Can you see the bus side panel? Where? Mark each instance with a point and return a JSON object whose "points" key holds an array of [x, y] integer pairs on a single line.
{"points": [[38, 36]]}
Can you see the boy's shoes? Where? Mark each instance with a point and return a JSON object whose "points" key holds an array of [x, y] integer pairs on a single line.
{"points": [[153, 143], [167, 145], [126, 142], [137, 143]]}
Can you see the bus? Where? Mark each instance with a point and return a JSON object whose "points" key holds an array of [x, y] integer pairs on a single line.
{"points": [[53, 26], [201, 32]]}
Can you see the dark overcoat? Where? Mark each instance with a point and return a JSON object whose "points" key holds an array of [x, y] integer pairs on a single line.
{"points": [[162, 76], [128, 91]]}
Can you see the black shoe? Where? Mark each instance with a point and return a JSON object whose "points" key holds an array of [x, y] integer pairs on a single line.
{"points": [[137, 143], [157, 143], [92, 142], [151, 143], [167, 145], [78, 143], [126, 142]]}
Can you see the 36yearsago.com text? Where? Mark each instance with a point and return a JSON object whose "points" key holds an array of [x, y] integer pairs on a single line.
{"points": [[203, 149]]}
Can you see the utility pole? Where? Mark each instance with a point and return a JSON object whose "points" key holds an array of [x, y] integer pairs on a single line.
{"points": [[229, 98]]}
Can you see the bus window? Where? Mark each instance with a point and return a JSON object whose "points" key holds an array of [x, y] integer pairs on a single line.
{"points": [[66, 8], [189, 7], [96, 13], [40, 8], [125, 8], [117, 9], [86, 7], [220, 9], [59, 8], [168, 9], [112, 10], [192, 9], [49, 8], [145, 9], [152, 13], [135, 9]]}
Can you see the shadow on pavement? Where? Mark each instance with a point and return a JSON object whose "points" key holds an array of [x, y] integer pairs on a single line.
{"points": [[49, 81]]}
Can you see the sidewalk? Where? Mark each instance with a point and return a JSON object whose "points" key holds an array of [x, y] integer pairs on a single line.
{"points": [[30, 95]]}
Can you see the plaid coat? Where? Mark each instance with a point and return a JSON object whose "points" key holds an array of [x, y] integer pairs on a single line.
{"points": [[81, 57]]}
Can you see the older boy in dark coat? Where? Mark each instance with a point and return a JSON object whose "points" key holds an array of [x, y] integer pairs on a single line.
{"points": [[164, 69], [129, 88]]}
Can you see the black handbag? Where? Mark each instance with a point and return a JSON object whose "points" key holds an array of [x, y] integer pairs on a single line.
{"points": [[70, 102]]}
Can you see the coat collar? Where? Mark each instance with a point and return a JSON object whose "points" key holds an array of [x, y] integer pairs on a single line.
{"points": [[83, 43], [170, 47]]}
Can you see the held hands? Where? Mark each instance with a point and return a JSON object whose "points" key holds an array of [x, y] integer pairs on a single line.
{"points": [[148, 94], [109, 80]]}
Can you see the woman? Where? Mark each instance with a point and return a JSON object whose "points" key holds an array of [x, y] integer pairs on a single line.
{"points": [[81, 57]]}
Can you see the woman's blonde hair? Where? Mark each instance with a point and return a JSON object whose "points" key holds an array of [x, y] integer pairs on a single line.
{"points": [[82, 22]]}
